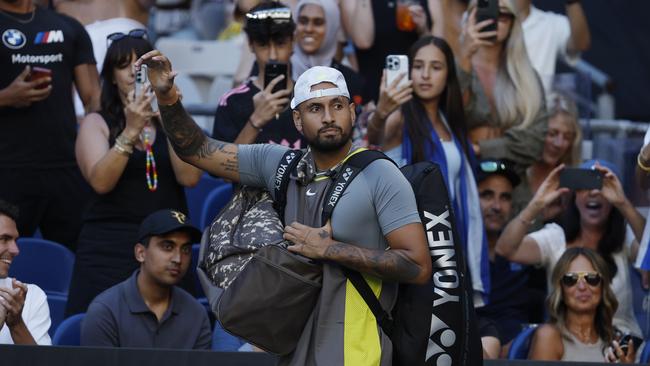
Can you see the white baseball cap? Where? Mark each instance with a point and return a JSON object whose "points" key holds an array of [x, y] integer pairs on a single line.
{"points": [[314, 76]]}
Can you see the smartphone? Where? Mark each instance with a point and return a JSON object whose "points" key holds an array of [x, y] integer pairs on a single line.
{"points": [[488, 9], [272, 70], [575, 178], [397, 65], [142, 80], [626, 339], [39, 73]]}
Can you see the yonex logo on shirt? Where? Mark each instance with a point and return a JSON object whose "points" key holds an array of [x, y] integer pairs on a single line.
{"points": [[53, 36], [14, 39]]}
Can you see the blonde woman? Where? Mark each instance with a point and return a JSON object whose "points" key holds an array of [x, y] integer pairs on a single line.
{"points": [[581, 307], [562, 145], [502, 94]]}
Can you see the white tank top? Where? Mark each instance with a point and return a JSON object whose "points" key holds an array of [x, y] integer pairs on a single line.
{"points": [[452, 155]]}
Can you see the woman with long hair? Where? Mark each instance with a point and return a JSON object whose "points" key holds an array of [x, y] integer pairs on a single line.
{"points": [[124, 155], [424, 121], [562, 145], [581, 307], [595, 219], [504, 98]]}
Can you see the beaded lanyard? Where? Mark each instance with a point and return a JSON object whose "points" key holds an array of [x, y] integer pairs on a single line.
{"points": [[151, 163]]}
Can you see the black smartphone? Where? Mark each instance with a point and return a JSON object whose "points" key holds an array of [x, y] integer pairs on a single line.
{"points": [[625, 341], [575, 178], [272, 70], [488, 9]]}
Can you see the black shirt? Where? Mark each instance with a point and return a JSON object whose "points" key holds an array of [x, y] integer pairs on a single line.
{"points": [[236, 107], [43, 134]]}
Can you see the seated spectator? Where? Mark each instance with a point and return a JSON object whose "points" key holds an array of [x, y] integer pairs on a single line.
{"points": [[504, 99], [549, 36], [424, 121], [595, 219], [317, 25], [581, 306], [252, 113], [124, 155], [24, 313], [510, 300], [562, 145], [148, 310]]}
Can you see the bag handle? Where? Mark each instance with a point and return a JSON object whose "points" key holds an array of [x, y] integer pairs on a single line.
{"points": [[353, 165], [287, 164]]}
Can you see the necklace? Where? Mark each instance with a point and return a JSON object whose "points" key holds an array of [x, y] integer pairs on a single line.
{"points": [[150, 170], [21, 21]]}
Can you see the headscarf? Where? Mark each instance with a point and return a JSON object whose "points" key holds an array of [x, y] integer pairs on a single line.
{"points": [[301, 61]]}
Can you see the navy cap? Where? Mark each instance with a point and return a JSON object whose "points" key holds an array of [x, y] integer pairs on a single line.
{"points": [[165, 221]]}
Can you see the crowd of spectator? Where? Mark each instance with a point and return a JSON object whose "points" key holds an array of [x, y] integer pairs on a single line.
{"points": [[477, 99]]}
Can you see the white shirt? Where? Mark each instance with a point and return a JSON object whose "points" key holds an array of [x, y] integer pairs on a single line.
{"points": [[552, 244], [36, 315], [546, 36]]}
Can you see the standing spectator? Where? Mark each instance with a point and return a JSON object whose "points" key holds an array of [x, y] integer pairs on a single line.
{"points": [[424, 121], [562, 145], [147, 310], [38, 128], [317, 25], [252, 113], [549, 36], [372, 27], [595, 219], [581, 306], [24, 313], [502, 93], [126, 158]]}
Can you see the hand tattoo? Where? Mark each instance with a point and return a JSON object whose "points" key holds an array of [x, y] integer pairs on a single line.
{"points": [[386, 264]]}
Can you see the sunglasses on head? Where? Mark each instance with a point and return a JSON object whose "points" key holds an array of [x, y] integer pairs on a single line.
{"points": [[278, 15], [492, 166], [135, 33], [571, 278]]}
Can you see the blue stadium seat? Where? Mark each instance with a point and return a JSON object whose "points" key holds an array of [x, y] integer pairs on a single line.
{"points": [[44, 263], [214, 202], [57, 303], [196, 196], [521, 344], [223, 341], [69, 332]]}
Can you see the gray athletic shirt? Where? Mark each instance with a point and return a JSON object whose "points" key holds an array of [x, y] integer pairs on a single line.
{"points": [[378, 201]]}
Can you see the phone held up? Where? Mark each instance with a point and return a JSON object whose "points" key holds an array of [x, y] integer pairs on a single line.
{"points": [[272, 70], [488, 9], [141, 83], [575, 179], [397, 65], [39, 73]]}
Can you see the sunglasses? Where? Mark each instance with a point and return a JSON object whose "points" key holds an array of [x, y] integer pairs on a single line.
{"points": [[505, 16], [492, 166], [278, 15], [135, 33], [571, 278]]}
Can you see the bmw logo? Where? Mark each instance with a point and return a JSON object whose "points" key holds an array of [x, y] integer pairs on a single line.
{"points": [[14, 39]]}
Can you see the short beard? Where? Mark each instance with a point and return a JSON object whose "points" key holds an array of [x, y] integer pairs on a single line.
{"points": [[325, 146]]}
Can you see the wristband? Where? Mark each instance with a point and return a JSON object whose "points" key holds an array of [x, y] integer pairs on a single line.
{"points": [[250, 122], [641, 165], [529, 223]]}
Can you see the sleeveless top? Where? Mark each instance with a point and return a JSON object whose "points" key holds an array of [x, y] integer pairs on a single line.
{"points": [[130, 200], [574, 350]]}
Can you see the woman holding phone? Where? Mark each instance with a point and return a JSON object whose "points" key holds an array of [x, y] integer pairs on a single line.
{"points": [[124, 155], [502, 94], [424, 121], [581, 306], [595, 219]]}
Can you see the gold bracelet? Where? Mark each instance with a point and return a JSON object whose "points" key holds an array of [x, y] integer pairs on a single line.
{"points": [[125, 142], [641, 165], [126, 151], [529, 223]]}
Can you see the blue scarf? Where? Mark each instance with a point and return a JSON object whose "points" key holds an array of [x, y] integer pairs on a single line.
{"points": [[470, 220]]}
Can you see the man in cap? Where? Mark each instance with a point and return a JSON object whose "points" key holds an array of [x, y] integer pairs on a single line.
{"points": [[148, 310], [377, 211]]}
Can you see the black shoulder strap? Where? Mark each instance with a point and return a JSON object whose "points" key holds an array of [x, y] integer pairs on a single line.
{"points": [[350, 169], [287, 165]]}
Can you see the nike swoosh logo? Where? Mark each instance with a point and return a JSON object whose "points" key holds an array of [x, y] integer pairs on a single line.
{"points": [[310, 193]]}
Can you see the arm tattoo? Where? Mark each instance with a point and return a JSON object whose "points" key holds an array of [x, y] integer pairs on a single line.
{"points": [[391, 265]]}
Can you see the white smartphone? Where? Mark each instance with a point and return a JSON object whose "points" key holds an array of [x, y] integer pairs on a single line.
{"points": [[397, 65], [142, 79]]}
